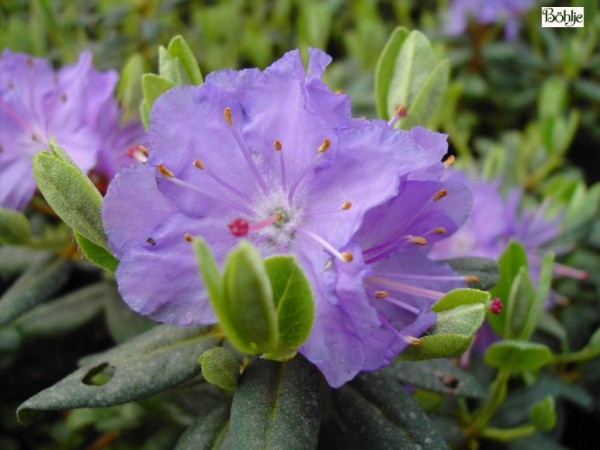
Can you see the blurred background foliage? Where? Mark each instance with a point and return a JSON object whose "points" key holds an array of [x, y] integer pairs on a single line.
{"points": [[527, 110]]}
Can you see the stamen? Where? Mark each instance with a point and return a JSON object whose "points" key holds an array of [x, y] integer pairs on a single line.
{"points": [[199, 164], [381, 294], [449, 161], [406, 288], [346, 206], [151, 241], [400, 112], [245, 150], [400, 303], [440, 194], [409, 276], [143, 150], [411, 340], [188, 237], [439, 230], [278, 148], [170, 176], [408, 339], [344, 257], [339, 91], [138, 152], [324, 145], [471, 278]]}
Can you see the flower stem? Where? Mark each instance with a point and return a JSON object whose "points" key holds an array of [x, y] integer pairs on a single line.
{"points": [[509, 434], [497, 396]]}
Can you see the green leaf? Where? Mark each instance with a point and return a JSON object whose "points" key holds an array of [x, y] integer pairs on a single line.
{"points": [[485, 269], [518, 305], [96, 254], [157, 360], [210, 271], [452, 334], [129, 92], [14, 260], [70, 193], [179, 49], [427, 101], [437, 375], [210, 431], [459, 297], [293, 299], [246, 311], [277, 405], [385, 71], [374, 411], [543, 414], [153, 86], [517, 356], [219, 367], [65, 313], [414, 65], [35, 286], [14, 227]]}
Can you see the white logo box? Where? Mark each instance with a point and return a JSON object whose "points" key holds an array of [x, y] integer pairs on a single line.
{"points": [[562, 17]]}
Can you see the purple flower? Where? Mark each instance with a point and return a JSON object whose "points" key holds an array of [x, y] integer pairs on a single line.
{"points": [[276, 157], [37, 103], [75, 106], [487, 12]]}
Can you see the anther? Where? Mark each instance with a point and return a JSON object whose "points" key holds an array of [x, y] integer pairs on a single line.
{"points": [[411, 340], [418, 240], [449, 161], [151, 241], [227, 116], [188, 237], [239, 227], [346, 206], [199, 164], [471, 278], [495, 306], [439, 230], [347, 256], [324, 145], [440, 194], [339, 91], [401, 111], [165, 172], [277, 145], [381, 294], [143, 150]]}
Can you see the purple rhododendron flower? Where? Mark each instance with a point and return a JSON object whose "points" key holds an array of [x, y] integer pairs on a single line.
{"points": [[487, 12], [73, 105], [276, 157]]}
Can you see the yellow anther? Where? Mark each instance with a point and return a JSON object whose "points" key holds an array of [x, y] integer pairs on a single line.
{"points": [[381, 294], [164, 171], [471, 278], [411, 340], [188, 237], [143, 150], [418, 240], [227, 115], [346, 206], [199, 164], [347, 256], [449, 161], [324, 145], [439, 230], [440, 194], [278, 145]]}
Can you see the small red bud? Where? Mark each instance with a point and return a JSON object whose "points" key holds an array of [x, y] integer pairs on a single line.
{"points": [[495, 306]]}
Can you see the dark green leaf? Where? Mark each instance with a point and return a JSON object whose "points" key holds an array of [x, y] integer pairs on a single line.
{"points": [[209, 432], [35, 286], [517, 356], [438, 375], [376, 412], [385, 71], [277, 406], [293, 299], [70, 193], [14, 227], [96, 254], [14, 260], [246, 311], [65, 313], [122, 322], [486, 270], [220, 368], [157, 360]]}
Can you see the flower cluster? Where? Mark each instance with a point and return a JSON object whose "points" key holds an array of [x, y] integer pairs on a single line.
{"points": [[74, 105], [275, 157], [487, 12]]}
